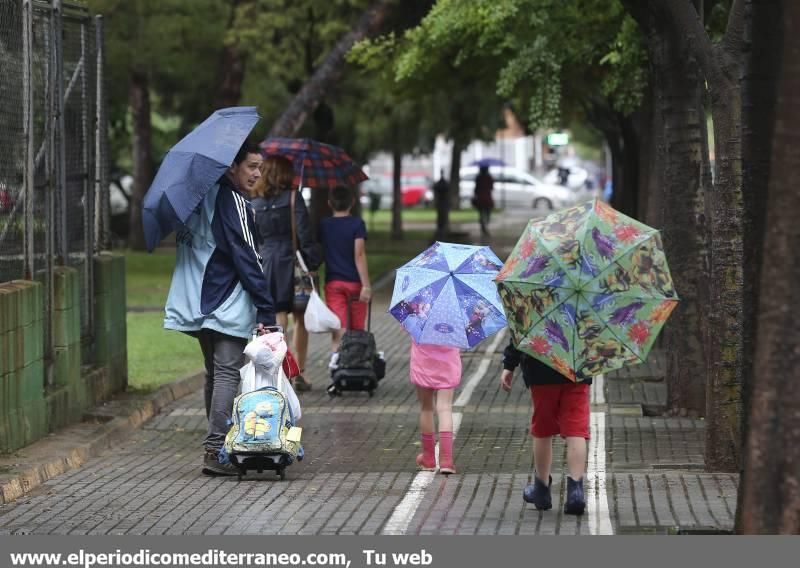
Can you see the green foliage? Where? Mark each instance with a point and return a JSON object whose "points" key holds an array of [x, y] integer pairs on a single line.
{"points": [[626, 80], [174, 43], [284, 41], [548, 53]]}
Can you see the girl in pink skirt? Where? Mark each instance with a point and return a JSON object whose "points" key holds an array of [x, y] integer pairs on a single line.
{"points": [[436, 371]]}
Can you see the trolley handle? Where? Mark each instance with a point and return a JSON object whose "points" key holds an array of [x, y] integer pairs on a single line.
{"points": [[350, 301], [268, 329]]}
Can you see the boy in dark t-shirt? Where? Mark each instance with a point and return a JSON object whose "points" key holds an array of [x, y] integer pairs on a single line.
{"points": [[346, 275], [560, 407]]}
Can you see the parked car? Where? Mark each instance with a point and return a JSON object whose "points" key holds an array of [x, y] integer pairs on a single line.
{"points": [[515, 188], [6, 199], [414, 188], [379, 186], [582, 181]]}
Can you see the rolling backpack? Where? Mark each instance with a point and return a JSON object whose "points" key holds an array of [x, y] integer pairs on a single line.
{"points": [[359, 366], [263, 435]]}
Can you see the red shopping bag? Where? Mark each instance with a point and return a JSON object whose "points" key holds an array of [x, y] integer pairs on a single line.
{"points": [[290, 367]]}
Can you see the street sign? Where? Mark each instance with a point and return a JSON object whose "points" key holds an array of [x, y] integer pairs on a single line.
{"points": [[558, 139]]}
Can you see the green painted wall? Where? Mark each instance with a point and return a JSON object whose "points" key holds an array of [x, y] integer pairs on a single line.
{"points": [[28, 410]]}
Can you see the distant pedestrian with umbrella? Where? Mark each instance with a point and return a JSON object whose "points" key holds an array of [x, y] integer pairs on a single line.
{"points": [[218, 292], [282, 228], [586, 291], [446, 300]]}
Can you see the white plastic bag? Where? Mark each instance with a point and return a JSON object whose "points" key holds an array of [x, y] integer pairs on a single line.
{"points": [[264, 369], [318, 318]]}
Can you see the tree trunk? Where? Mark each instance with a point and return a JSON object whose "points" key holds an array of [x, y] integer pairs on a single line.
{"points": [[725, 318], [326, 75], [677, 119], [618, 174], [771, 485], [397, 204], [721, 67], [620, 134], [455, 174], [139, 95], [759, 86], [230, 73], [685, 234], [631, 172], [681, 195]]}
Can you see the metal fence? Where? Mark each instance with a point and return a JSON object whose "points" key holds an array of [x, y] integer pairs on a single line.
{"points": [[53, 156]]}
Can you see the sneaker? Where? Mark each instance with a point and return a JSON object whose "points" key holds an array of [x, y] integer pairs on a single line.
{"points": [[301, 384], [539, 494], [211, 465], [576, 503], [333, 364]]}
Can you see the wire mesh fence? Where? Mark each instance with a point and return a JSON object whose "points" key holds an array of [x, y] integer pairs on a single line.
{"points": [[52, 146]]}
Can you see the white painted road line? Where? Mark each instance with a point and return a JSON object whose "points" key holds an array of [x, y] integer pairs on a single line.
{"points": [[598, 390], [405, 510], [473, 382], [596, 496], [496, 341]]}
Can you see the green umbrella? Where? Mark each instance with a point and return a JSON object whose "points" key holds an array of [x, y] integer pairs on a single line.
{"points": [[586, 290]]}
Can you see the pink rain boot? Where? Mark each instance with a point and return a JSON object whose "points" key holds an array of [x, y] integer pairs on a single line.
{"points": [[446, 453], [427, 459]]}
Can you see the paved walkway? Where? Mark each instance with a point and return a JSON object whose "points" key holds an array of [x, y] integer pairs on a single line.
{"points": [[645, 472]]}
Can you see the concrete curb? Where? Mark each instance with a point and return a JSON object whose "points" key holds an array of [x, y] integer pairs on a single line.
{"points": [[56, 457]]}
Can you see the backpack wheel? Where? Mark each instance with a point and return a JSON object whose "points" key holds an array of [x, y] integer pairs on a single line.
{"points": [[371, 393], [282, 474]]}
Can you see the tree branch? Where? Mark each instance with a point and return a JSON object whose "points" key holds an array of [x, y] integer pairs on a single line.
{"points": [[329, 71], [687, 22], [733, 42]]}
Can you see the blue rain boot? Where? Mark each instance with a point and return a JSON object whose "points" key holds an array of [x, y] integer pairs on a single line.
{"points": [[576, 503], [539, 494]]}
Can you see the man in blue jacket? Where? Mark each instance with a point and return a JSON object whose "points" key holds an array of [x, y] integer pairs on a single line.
{"points": [[219, 294]]}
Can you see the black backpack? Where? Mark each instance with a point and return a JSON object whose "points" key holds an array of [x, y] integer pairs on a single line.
{"points": [[359, 366]]}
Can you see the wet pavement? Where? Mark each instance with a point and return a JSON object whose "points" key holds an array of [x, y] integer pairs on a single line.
{"points": [[645, 473]]}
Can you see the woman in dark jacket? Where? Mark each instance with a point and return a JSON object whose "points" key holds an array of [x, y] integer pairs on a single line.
{"points": [[272, 204]]}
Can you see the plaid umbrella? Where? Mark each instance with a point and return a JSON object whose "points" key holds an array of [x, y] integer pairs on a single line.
{"points": [[315, 164]]}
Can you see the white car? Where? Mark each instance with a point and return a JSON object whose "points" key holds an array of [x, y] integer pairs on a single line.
{"points": [[515, 188]]}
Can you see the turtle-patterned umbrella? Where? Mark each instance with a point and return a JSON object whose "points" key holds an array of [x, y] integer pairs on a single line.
{"points": [[586, 290]]}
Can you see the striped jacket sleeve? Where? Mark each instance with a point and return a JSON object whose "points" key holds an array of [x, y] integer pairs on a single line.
{"points": [[237, 228]]}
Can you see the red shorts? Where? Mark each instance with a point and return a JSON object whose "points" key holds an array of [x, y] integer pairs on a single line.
{"points": [[560, 409], [336, 294]]}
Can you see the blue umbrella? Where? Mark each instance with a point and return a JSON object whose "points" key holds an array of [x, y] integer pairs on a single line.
{"points": [[488, 162], [191, 168], [447, 295]]}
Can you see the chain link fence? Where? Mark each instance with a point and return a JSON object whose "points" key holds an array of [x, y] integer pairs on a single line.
{"points": [[53, 146]]}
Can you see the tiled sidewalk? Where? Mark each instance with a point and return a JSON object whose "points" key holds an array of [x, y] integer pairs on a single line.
{"points": [[359, 476]]}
